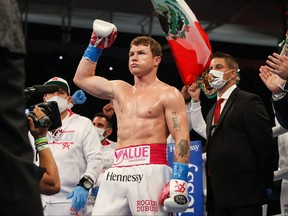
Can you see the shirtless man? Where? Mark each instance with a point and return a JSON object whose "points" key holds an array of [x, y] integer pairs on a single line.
{"points": [[140, 181]]}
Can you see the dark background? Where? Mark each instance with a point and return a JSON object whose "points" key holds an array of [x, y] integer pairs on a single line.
{"points": [[250, 30], [44, 47]]}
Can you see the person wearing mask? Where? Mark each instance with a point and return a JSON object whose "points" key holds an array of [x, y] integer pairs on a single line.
{"points": [[239, 146], [103, 125], [77, 151], [145, 118]]}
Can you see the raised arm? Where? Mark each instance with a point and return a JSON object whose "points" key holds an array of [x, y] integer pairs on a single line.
{"points": [[196, 116], [104, 34]]}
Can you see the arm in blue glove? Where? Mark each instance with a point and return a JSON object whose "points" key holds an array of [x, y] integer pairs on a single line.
{"points": [[79, 197], [78, 97]]}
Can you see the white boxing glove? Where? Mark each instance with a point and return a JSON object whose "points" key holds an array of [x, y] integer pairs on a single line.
{"points": [[103, 36], [174, 195]]}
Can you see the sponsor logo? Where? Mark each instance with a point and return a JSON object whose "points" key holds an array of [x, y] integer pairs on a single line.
{"points": [[64, 138], [147, 206], [180, 199], [180, 187], [124, 178], [132, 156], [195, 148], [193, 169]]}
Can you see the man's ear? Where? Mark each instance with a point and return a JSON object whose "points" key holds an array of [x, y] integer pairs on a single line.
{"points": [[108, 132], [69, 99], [157, 60], [233, 73]]}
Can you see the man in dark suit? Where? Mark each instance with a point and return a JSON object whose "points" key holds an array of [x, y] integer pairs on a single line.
{"points": [[239, 146]]}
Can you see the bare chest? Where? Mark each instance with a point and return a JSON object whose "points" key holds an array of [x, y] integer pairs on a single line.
{"points": [[142, 105]]}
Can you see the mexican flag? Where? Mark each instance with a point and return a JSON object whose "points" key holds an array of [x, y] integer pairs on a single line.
{"points": [[188, 42]]}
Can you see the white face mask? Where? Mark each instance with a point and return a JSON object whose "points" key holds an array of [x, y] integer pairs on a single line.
{"points": [[218, 81], [100, 132], [61, 102]]}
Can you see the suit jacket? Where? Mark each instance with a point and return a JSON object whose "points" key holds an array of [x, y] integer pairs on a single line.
{"points": [[240, 152]]}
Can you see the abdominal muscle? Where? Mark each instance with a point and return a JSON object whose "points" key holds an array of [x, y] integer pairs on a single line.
{"points": [[141, 116], [141, 131]]}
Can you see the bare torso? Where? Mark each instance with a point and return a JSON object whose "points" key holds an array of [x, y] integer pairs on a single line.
{"points": [[141, 114], [146, 112]]}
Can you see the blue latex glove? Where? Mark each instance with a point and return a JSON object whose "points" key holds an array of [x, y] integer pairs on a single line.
{"points": [[79, 97], [79, 197]]}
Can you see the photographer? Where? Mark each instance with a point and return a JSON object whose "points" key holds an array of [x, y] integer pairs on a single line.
{"points": [[47, 171], [76, 148], [19, 187]]}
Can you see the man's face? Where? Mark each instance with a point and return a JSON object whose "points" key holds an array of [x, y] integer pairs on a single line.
{"points": [[61, 93], [219, 64], [100, 122], [141, 60]]}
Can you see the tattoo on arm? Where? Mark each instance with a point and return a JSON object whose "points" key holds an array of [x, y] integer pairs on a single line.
{"points": [[176, 123], [182, 151]]}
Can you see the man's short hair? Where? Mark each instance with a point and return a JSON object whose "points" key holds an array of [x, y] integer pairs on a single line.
{"points": [[102, 115], [155, 47]]}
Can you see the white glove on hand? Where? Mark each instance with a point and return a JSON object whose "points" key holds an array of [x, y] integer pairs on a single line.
{"points": [[174, 195], [103, 36]]}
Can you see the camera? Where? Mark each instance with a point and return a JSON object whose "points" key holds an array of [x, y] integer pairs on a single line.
{"points": [[52, 120]]}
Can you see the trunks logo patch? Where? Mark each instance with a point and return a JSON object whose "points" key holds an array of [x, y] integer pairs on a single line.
{"points": [[136, 155], [147, 206]]}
